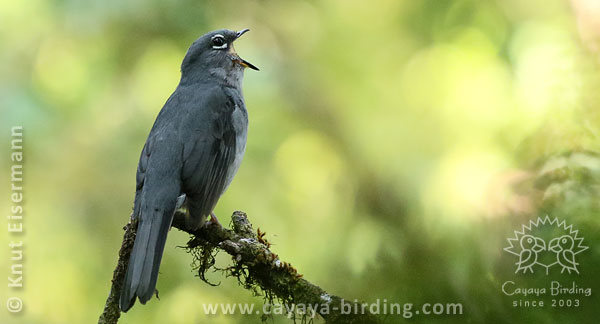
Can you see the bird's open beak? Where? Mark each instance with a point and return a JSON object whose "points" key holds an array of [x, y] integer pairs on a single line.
{"points": [[240, 60], [242, 32], [540, 245], [554, 246]]}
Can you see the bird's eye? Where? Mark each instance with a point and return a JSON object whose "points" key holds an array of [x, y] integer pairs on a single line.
{"points": [[529, 240], [218, 42], [564, 240]]}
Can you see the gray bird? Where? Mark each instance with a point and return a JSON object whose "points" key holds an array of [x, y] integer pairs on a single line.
{"points": [[192, 153]]}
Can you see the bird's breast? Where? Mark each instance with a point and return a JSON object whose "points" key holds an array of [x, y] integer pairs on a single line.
{"points": [[239, 119]]}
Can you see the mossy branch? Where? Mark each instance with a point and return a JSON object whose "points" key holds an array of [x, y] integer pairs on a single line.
{"points": [[255, 266]]}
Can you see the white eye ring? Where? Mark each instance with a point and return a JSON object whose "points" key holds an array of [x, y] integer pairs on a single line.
{"points": [[224, 45]]}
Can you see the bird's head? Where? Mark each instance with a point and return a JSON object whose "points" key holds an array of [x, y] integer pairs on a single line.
{"points": [[529, 242], [560, 244], [213, 55]]}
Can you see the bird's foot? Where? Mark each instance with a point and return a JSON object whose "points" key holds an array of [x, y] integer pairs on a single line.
{"points": [[213, 220]]}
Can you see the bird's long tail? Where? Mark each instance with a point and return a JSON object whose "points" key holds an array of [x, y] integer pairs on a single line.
{"points": [[144, 262]]}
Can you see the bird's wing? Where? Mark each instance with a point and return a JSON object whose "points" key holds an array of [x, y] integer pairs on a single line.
{"points": [[208, 155], [525, 258], [158, 186], [165, 118], [569, 258], [140, 177]]}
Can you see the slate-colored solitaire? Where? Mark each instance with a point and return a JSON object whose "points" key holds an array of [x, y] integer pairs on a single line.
{"points": [[192, 153]]}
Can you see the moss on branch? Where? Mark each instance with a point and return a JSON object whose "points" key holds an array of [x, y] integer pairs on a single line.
{"points": [[255, 266]]}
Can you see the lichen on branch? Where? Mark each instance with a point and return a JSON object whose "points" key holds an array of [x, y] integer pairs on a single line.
{"points": [[255, 266]]}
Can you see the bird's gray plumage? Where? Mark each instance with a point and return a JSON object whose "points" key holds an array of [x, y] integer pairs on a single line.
{"points": [[194, 149]]}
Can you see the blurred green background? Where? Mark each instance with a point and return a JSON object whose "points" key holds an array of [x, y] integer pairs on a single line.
{"points": [[393, 147]]}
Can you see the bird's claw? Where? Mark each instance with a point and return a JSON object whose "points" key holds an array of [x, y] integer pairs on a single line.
{"points": [[213, 220]]}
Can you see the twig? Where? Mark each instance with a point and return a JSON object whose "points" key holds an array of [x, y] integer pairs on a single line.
{"points": [[111, 312], [253, 261]]}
